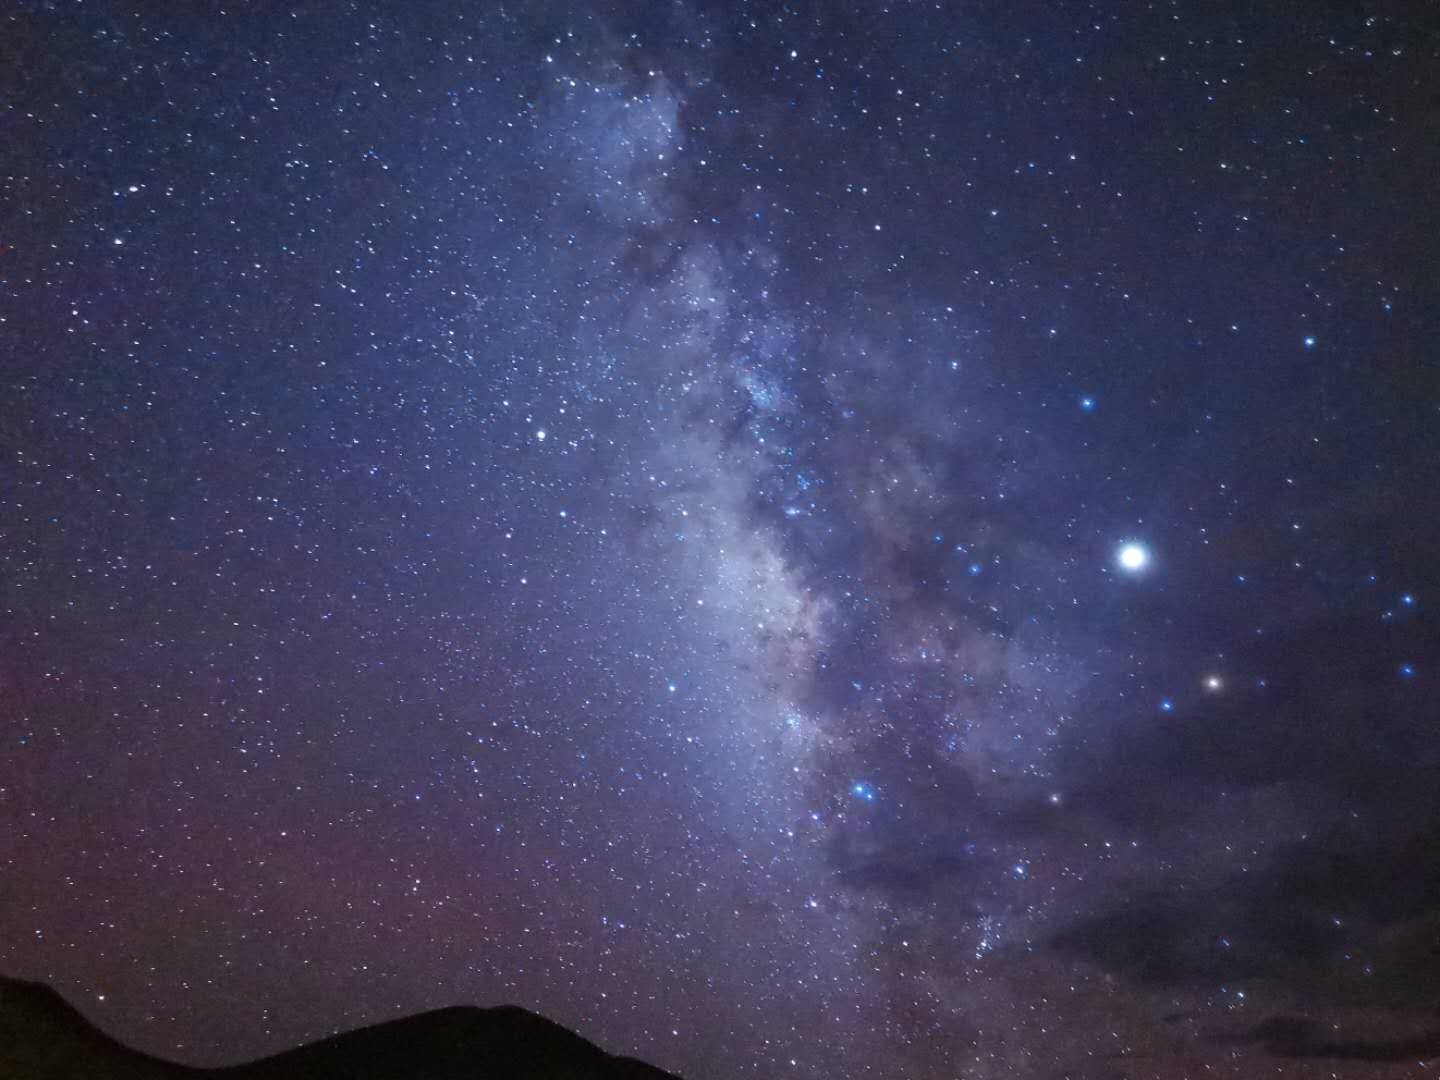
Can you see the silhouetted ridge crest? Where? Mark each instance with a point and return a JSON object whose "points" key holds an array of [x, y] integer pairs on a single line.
{"points": [[43, 1037]]}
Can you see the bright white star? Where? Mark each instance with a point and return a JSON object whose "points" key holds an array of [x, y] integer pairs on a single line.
{"points": [[1133, 557]]}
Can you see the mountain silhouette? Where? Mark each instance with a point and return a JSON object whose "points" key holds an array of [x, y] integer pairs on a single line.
{"points": [[43, 1037]]}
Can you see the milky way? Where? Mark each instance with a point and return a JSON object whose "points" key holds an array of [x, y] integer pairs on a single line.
{"points": [[827, 541]]}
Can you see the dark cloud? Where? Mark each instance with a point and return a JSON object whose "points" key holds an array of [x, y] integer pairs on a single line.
{"points": [[1342, 913], [914, 827], [912, 871], [1344, 919], [1295, 1037]]}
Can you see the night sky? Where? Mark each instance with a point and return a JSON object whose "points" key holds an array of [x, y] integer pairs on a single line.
{"points": [[827, 540]]}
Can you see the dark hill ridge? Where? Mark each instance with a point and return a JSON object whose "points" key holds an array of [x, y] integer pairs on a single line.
{"points": [[43, 1037]]}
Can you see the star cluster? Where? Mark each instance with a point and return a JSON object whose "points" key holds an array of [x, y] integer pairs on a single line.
{"points": [[815, 540]]}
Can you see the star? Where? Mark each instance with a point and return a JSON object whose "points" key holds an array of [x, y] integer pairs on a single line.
{"points": [[1133, 557]]}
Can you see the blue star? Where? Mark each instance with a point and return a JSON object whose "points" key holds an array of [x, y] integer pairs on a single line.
{"points": [[1166, 705], [1407, 671], [1087, 404], [1309, 342], [862, 790]]}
